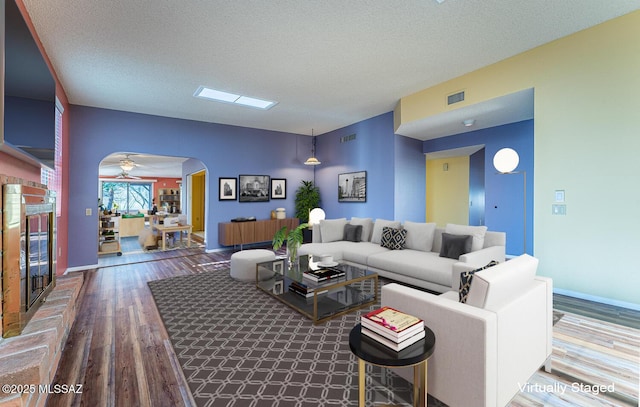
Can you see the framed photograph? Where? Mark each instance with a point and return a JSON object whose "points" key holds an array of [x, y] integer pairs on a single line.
{"points": [[254, 188], [278, 287], [278, 188], [227, 189], [352, 187]]}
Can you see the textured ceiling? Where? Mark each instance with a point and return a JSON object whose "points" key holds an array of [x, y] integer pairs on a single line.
{"points": [[328, 63], [145, 165]]}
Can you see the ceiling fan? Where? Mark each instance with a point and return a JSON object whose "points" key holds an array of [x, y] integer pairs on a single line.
{"points": [[125, 174], [127, 164]]}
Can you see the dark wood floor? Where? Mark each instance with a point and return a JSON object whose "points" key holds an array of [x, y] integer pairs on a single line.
{"points": [[118, 347]]}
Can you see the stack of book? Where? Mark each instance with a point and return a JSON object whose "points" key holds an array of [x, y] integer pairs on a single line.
{"points": [[303, 289], [392, 328], [323, 274]]}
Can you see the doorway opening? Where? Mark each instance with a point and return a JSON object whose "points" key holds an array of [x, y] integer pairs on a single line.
{"points": [[197, 187], [146, 194]]}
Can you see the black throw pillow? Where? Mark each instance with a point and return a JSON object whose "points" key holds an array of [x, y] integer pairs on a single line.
{"points": [[453, 246], [352, 233]]}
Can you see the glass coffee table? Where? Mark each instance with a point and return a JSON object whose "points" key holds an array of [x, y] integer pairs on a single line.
{"points": [[324, 300]]}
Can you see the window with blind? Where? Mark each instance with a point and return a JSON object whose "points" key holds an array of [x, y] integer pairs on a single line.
{"points": [[53, 178]]}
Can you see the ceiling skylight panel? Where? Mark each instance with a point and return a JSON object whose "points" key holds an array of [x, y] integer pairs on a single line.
{"points": [[220, 96]]}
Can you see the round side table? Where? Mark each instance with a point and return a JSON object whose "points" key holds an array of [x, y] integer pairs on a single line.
{"points": [[417, 355]]}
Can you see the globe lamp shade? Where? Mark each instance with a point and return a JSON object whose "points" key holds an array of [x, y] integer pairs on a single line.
{"points": [[506, 160]]}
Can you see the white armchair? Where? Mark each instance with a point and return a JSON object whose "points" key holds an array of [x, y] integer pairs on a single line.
{"points": [[487, 348]]}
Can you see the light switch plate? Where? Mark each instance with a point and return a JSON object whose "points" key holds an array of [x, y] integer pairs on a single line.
{"points": [[557, 209], [88, 212]]}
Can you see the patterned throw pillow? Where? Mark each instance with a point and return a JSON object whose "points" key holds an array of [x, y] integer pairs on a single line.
{"points": [[392, 238], [465, 281]]}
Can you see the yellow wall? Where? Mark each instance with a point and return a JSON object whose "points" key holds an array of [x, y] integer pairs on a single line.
{"points": [[448, 191], [587, 101]]}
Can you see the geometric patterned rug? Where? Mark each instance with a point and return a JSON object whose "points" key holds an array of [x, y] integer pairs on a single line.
{"points": [[238, 346]]}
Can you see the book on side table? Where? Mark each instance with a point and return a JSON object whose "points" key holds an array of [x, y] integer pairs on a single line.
{"points": [[304, 290], [392, 328]]}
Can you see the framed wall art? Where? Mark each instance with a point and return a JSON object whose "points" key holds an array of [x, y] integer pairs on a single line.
{"points": [[278, 188], [254, 188], [227, 188], [352, 187]]}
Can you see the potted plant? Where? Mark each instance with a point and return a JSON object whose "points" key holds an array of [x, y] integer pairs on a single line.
{"points": [[293, 238], [307, 198]]}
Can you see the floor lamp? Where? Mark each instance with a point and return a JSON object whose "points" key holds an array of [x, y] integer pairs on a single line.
{"points": [[506, 161]]}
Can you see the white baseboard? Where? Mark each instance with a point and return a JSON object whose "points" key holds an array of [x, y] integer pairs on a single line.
{"points": [[80, 268], [595, 298]]}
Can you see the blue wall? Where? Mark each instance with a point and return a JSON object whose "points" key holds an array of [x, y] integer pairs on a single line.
{"points": [[225, 151], [476, 188], [395, 167], [391, 162], [410, 180], [504, 194], [29, 122]]}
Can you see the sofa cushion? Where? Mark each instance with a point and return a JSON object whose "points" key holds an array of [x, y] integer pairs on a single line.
{"points": [[427, 266], [352, 233], [359, 252], [376, 235], [500, 284], [477, 232], [367, 227], [332, 230], [466, 277], [318, 249], [419, 235], [393, 239], [454, 246]]}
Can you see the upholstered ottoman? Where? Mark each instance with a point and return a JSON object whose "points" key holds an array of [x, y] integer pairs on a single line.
{"points": [[243, 263]]}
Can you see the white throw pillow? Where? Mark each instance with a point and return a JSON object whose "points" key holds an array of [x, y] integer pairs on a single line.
{"points": [[477, 232], [367, 226], [376, 236], [493, 287], [332, 230], [419, 235]]}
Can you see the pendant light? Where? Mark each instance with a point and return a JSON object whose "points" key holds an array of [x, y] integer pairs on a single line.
{"points": [[312, 160]]}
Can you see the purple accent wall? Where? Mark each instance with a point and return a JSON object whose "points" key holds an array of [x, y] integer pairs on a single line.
{"points": [[393, 163], [476, 188], [224, 151], [410, 180], [504, 194], [395, 167]]}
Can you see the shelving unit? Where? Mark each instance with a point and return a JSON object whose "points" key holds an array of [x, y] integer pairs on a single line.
{"points": [[169, 198], [109, 235]]}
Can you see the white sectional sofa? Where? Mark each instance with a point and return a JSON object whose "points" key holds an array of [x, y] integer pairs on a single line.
{"points": [[419, 263], [487, 349]]}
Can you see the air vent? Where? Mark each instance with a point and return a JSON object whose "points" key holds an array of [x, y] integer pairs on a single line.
{"points": [[348, 138], [455, 98]]}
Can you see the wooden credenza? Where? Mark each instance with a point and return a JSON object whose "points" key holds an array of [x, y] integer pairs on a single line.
{"points": [[239, 233]]}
